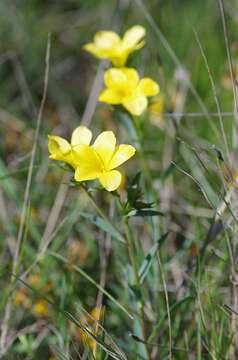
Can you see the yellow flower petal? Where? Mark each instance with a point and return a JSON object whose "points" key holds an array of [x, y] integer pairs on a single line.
{"points": [[104, 146], [156, 109], [148, 87], [122, 153], [106, 39], [123, 79], [110, 96], [93, 49], [87, 161], [105, 44], [135, 105], [110, 180], [133, 36], [131, 76], [114, 78], [81, 135], [84, 173], [58, 147]]}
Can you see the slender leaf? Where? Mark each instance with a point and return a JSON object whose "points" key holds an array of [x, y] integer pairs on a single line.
{"points": [[146, 264], [103, 225]]}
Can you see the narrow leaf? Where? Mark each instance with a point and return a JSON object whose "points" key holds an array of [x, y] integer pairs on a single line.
{"points": [[103, 225], [146, 264]]}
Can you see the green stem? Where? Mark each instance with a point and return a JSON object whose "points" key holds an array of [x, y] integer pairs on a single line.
{"points": [[132, 259]]}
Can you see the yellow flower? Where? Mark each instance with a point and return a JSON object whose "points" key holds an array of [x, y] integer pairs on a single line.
{"points": [[100, 160], [41, 308], [123, 86], [61, 150], [108, 45], [97, 161]]}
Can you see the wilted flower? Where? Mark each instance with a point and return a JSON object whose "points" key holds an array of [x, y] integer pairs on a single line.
{"points": [[123, 86], [108, 45], [97, 161]]}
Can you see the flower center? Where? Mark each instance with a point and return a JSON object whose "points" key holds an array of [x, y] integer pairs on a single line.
{"points": [[125, 91]]}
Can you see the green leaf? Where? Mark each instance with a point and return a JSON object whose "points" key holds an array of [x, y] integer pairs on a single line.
{"points": [[146, 264], [145, 212], [136, 291], [103, 225]]}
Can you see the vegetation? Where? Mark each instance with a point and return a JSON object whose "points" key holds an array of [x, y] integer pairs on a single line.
{"points": [[140, 263]]}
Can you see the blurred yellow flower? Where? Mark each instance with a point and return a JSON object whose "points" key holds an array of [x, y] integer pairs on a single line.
{"points": [[108, 45], [97, 161], [123, 86], [41, 308], [156, 109]]}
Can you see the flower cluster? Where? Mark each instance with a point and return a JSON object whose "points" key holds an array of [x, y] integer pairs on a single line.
{"points": [[123, 85]]}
